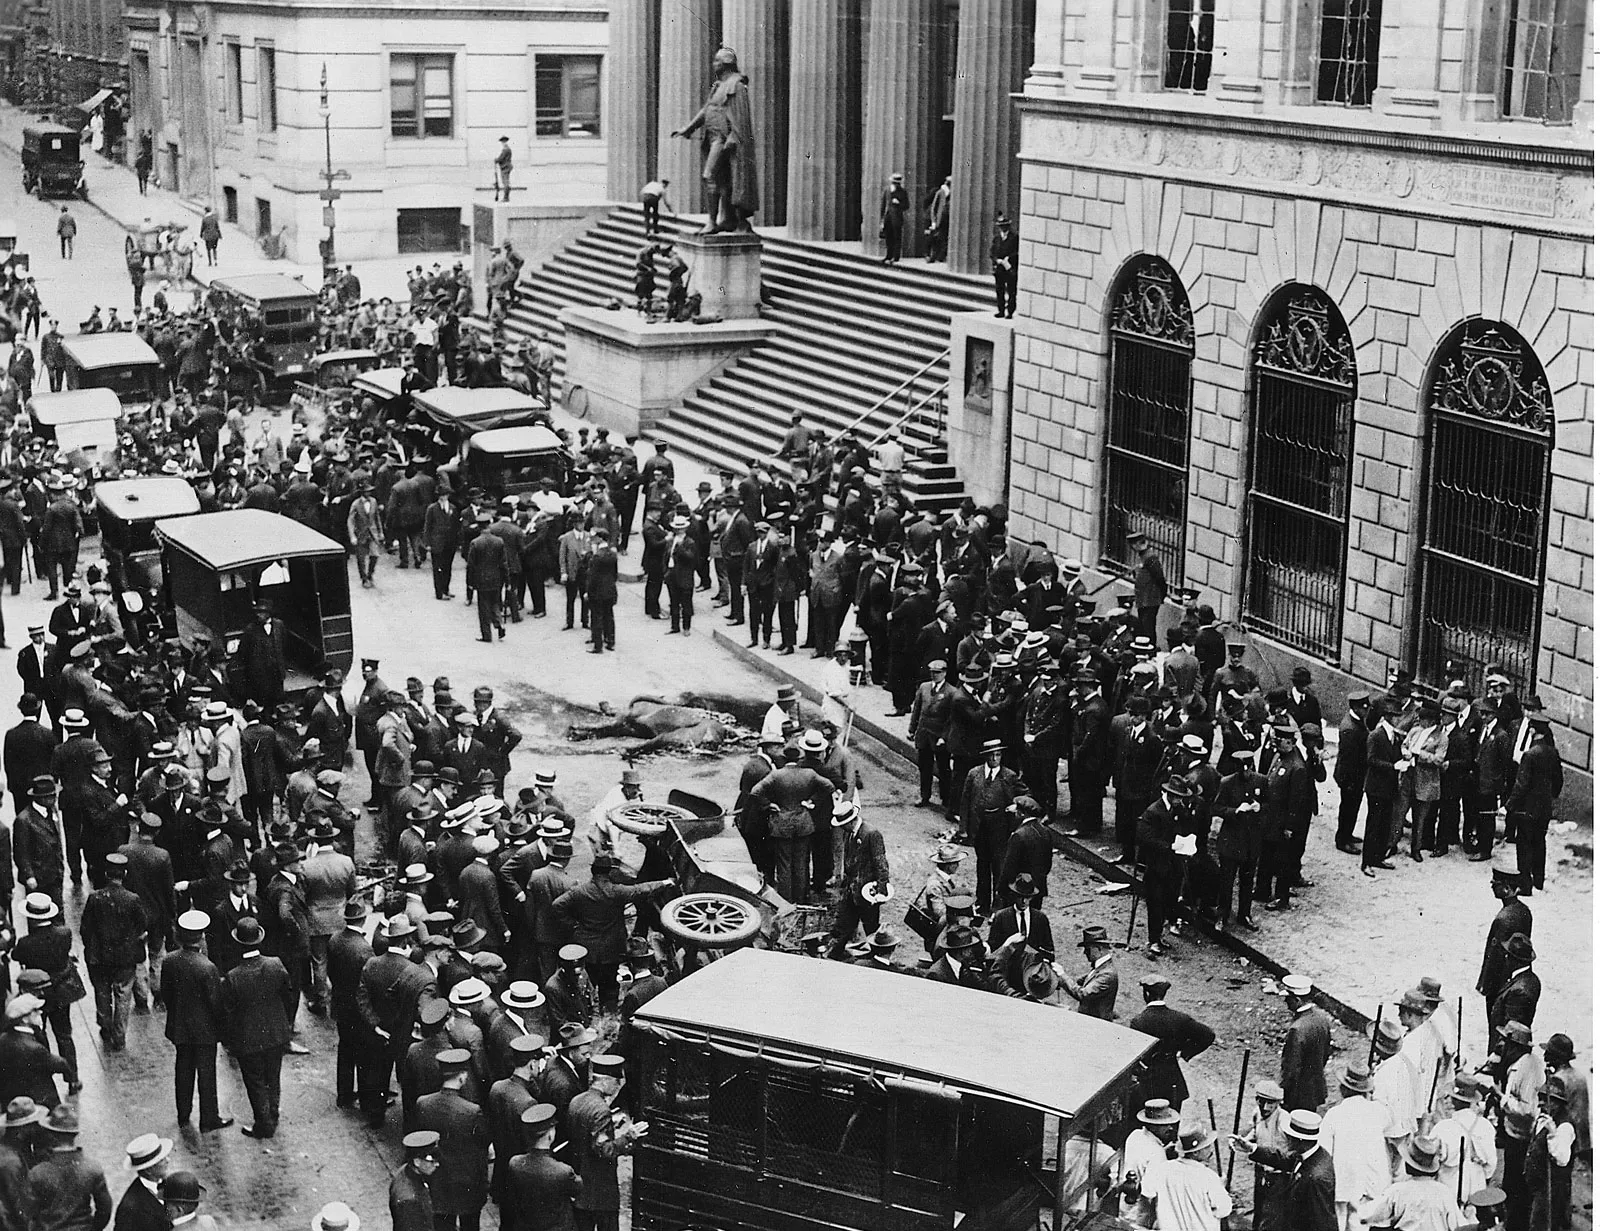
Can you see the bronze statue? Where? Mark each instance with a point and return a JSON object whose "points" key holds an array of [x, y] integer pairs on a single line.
{"points": [[727, 139]]}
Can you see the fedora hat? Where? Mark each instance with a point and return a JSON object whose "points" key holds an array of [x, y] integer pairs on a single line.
{"points": [[1024, 886], [62, 1119], [1094, 934], [1195, 1140], [1519, 948], [958, 938], [398, 928], [948, 854], [22, 1111], [1388, 1036], [1466, 1092], [1357, 1077], [1422, 1153]]}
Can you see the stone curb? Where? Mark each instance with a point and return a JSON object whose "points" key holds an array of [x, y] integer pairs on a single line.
{"points": [[898, 746]]}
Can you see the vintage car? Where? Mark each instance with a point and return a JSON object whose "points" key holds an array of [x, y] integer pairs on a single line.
{"points": [[287, 310], [127, 511], [508, 461], [121, 362], [217, 566], [51, 163], [331, 377], [787, 1093], [82, 423]]}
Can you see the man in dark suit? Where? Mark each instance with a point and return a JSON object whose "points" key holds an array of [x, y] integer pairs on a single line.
{"points": [[540, 1189], [1181, 1037], [1089, 762], [594, 911], [1518, 1000], [27, 750], [462, 1184], [761, 580], [258, 1003], [1350, 771], [1304, 1201], [392, 988], [410, 1197], [465, 753], [1514, 918], [48, 948], [1046, 708], [911, 607], [683, 558], [1382, 787], [359, 1049], [1023, 918], [1149, 582], [234, 903], [441, 532], [508, 1098], [259, 658], [191, 989], [141, 1207], [865, 877], [1030, 848], [37, 843], [287, 918], [328, 720], [486, 578], [960, 960], [988, 817], [33, 664], [1305, 1048], [602, 591], [930, 718], [1531, 801], [653, 560]]}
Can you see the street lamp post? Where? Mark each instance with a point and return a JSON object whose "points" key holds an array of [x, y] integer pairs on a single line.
{"points": [[329, 193]]}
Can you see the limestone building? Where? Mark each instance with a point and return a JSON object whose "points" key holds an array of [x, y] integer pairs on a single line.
{"points": [[416, 103], [1307, 296]]}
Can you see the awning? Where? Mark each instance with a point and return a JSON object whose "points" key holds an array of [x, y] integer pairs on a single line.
{"points": [[92, 104]]}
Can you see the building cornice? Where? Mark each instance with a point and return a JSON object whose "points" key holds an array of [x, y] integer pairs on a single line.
{"points": [[1506, 143], [409, 12]]}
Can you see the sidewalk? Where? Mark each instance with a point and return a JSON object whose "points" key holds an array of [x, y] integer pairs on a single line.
{"points": [[1363, 941], [114, 192]]}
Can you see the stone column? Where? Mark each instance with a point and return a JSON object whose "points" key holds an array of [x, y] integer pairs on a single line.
{"points": [[759, 31], [631, 69], [1097, 49], [691, 31], [824, 119], [902, 97], [991, 60], [1047, 77]]}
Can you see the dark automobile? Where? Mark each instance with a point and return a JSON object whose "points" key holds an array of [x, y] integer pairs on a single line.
{"points": [[51, 164]]}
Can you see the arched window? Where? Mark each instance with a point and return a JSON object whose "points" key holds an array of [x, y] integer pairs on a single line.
{"points": [[1303, 395], [1490, 434], [1147, 421]]}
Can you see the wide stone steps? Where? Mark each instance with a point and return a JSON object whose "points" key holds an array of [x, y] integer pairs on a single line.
{"points": [[847, 332]]}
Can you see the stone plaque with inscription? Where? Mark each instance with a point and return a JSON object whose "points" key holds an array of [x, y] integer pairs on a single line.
{"points": [[1506, 189]]}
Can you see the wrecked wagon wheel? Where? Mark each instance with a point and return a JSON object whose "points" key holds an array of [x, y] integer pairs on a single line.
{"points": [[646, 820], [710, 920]]}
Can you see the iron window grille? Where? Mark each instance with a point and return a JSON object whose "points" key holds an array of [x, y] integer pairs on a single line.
{"points": [[1191, 25], [1543, 60], [1347, 64], [1148, 418], [1490, 436], [1303, 381]]}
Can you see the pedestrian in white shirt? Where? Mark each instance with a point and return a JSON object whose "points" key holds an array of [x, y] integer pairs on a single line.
{"points": [[1353, 1135], [1466, 1140], [1187, 1193]]}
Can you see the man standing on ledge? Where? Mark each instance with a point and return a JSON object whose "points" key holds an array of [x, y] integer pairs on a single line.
{"points": [[502, 171], [728, 142]]}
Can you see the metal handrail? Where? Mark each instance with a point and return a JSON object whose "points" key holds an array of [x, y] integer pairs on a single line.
{"points": [[903, 387], [941, 393]]}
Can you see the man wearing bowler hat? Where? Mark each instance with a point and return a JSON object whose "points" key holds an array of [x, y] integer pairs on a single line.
{"points": [[987, 816], [257, 1002], [1518, 1000], [358, 1058]]}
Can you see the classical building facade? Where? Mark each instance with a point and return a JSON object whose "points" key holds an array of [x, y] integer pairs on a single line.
{"points": [[845, 94], [249, 101], [1306, 295], [86, 51]]}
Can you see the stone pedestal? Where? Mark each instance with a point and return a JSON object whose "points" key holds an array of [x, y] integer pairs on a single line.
{"points": [[978, 435], [632, 373], [725, 270]]}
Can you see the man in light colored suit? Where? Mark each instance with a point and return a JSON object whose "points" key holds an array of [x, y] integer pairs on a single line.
{"points": [[329, 878], [1096, 991]]}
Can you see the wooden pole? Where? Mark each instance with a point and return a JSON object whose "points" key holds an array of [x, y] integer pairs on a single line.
{"points": [[1059, 1220], [1238, 1111], [1133, 906], [1216, 1144], [1372, 1047]]}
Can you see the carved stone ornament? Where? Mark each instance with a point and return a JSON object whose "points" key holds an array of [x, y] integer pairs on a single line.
{"points": [[1491, 377], [1308, 339], [1154, 306]]}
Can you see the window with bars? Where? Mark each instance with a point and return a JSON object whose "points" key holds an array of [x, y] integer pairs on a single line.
{"points": [[1148, 418], [1347, 62], [566, 96], [1190, 29], [1543, 59], [1303, 383], [1490, 436], [421, 95]]}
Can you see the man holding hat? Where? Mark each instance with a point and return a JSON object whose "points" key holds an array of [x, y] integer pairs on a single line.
{"points": [[68, 1189], [410, 1192], [1353, 1135], [112, 930], [258, 1000], [540, 1189], [462, 1184], [191, 989], [141, 1207]]}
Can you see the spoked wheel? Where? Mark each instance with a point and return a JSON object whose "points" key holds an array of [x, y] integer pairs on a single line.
{"points": [[710, 920], [576, 399], [646, 820]]}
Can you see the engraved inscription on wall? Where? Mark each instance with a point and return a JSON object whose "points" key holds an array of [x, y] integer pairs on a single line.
{"points": [[1501, 188]]}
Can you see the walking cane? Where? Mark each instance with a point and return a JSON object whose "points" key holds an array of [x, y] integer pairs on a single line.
{"points": [[1133, 906], [1238, 1112]]}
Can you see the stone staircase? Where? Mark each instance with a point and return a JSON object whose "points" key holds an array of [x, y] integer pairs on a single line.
{"points": [[850, 332]]}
